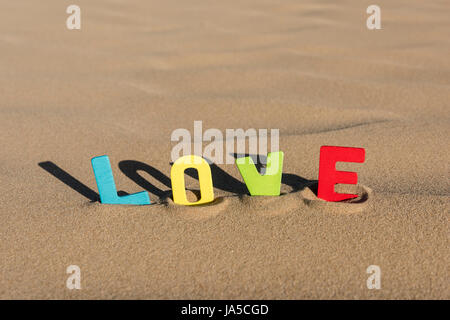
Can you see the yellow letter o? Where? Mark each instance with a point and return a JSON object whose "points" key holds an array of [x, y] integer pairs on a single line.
{"points": [[204, 178]]}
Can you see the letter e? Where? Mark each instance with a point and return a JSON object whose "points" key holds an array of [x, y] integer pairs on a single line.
{"points": [[329, 176]]}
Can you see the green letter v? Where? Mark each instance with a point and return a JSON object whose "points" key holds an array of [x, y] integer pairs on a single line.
{"points": [[268, 184]]}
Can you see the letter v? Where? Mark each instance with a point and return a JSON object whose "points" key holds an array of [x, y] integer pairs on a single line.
{"points": [[107, 187], [268, 184]]}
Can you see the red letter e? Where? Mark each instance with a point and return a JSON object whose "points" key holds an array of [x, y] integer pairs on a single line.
{"points": [[329, 176]]}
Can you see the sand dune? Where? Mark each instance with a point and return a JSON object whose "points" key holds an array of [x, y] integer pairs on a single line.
{"points": [[137, 70]]}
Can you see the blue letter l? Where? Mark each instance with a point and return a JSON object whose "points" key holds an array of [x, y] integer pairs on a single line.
{"points": [[107, 187]]}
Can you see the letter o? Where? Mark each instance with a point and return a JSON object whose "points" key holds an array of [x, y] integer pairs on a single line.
{"points": [[204, 178]]}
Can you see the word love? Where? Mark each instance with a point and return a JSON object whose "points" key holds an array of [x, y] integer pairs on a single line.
{"points": [[267, 184]]}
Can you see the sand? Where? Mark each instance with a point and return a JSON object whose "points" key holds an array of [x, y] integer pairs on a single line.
{"points": [[137, 70]]}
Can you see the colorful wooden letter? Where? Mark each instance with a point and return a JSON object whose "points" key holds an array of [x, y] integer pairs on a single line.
{"points": [[329, 176], [204, 178], [107, 187], [268, 184]]}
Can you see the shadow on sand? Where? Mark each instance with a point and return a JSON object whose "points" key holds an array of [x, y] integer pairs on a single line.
{"points": [[132, 169]]}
